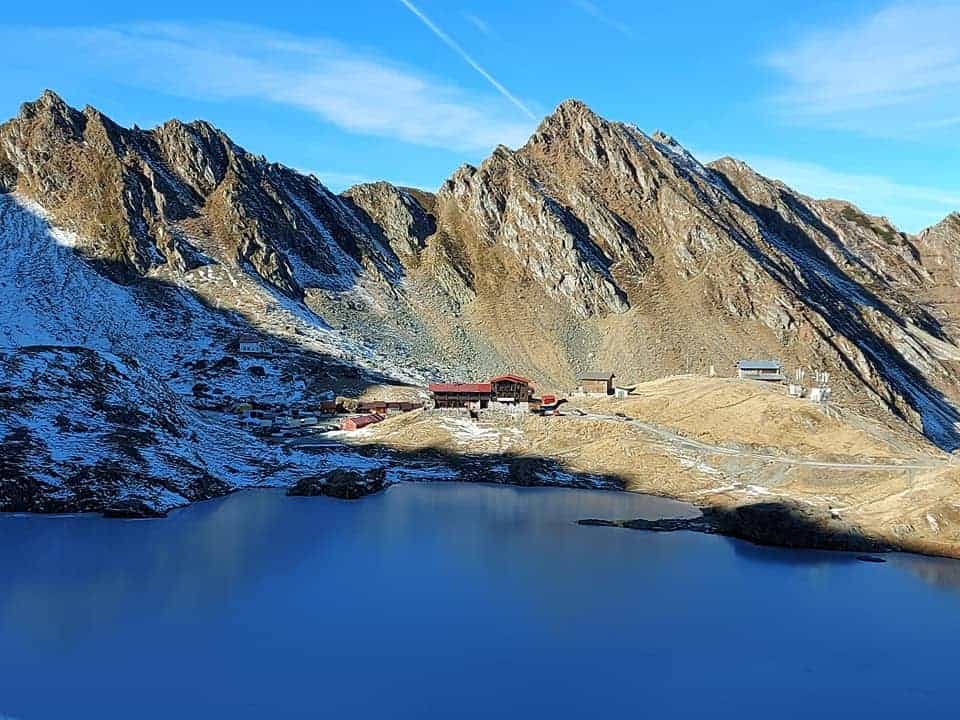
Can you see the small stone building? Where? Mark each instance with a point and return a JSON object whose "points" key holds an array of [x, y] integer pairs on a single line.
{"points": [[596, 383]]}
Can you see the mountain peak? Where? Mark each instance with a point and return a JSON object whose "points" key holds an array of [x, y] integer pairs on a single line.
{"points": [[48, 102], [50, 112], [573, 105], [570, 111], [661, 137], [49, 98], [948, 227], [572, 118]]}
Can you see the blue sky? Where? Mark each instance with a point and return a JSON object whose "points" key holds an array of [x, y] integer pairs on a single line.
{"points": [[852, 99]]}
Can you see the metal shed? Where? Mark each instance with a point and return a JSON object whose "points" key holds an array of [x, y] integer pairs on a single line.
{"points": [[771, 370]]}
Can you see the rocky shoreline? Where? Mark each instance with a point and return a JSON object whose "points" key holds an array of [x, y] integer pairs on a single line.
{"points": [[781, 523], [778, 524]]}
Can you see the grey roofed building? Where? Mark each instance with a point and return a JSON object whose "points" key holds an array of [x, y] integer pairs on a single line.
{"points": [[595, 375], [760, 370], [759, 364]]}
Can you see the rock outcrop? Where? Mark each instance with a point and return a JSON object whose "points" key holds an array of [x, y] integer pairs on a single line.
{"points": [[85, 431], [395, 217], [938, 248], [342, 483]]}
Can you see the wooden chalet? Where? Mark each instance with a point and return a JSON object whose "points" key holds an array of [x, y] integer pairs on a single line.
{"points": [[460, 395], [511, 389]]}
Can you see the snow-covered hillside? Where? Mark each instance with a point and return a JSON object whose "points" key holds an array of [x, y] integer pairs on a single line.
{"points": [[101, 406]]}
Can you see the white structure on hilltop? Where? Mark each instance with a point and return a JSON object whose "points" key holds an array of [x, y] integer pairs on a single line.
{"points": [[623, 391], [821, 392], [796, 389]]}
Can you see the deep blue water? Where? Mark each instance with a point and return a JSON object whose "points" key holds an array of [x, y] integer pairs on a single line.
{"points": [[453, 601]]}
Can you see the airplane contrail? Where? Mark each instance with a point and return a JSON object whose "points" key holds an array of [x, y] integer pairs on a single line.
{"points": [[452, 44]]}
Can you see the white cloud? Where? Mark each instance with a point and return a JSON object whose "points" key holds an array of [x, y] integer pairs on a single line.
{"points": [[894, 72], [910, 207], [599, 14], [357, 92]]}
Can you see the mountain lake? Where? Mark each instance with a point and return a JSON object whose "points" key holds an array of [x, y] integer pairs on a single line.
{"points": [[451, 600]]}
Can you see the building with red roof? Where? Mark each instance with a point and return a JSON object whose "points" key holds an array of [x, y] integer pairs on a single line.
{"points": [[460, 395], [511, 377], [507, 388], [361, 421], [460, 388]]}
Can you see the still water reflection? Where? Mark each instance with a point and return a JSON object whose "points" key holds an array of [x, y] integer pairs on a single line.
{"points": [[455, 600]]}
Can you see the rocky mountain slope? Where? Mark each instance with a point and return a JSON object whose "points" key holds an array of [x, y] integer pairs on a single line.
{"points": [[182, 234], [135, 445], [593, 245], [939, 253], [167, 197]]}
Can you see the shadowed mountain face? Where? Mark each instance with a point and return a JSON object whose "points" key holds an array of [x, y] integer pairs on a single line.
{"points": [[593, 245]]}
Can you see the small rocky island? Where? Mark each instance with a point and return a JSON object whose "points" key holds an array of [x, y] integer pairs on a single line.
{"points": [[342, 483]]}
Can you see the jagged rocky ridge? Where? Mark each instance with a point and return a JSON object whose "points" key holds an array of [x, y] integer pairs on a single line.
{"points": [[593, 245], [180, 193], [596, 244]]}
